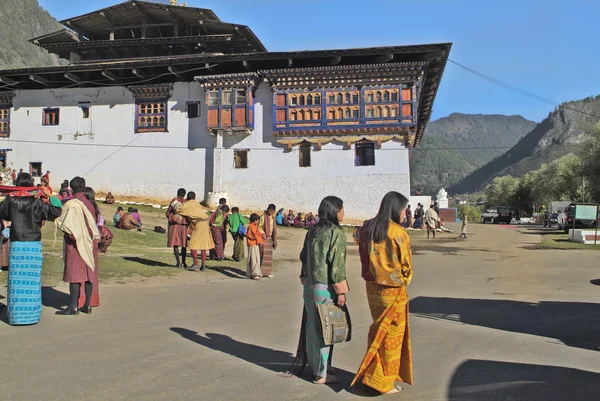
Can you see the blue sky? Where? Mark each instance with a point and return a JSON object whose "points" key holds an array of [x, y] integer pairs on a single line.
{"points": [[549, 48]]}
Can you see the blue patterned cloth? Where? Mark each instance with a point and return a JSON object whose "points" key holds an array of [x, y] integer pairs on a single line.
{"points": [[25, 283], [317, 353]]}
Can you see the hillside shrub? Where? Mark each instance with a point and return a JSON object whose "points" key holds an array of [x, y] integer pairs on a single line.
{"points": [[473, 212]]}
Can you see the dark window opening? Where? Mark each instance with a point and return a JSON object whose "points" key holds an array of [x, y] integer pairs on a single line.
{"points": [[331, 99], [50, 116], [355, 113], [317, 99], [305, 155], [193, 109], [354, 98], [240, 96], [35, 169], [240, 158], [365, 154], [85, 110], [394, 96]]}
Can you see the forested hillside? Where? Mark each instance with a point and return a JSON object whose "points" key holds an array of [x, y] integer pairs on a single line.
{"points": [[446, 154], [562, 132], [21, 20]]}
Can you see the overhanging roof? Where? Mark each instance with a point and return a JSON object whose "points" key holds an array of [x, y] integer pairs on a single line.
{"points": [[126, 72]]}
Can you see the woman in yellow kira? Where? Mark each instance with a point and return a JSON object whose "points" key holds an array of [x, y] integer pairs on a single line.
{"points": [[386, 260]]}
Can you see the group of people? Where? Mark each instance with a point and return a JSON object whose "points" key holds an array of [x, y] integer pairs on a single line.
{"points": [[129, 220], [191, 227], [299, 220], [26, 208], [386, 267]]}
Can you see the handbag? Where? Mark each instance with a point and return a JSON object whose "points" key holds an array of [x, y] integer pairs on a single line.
{"points": [[243, 230], [335, 323]]}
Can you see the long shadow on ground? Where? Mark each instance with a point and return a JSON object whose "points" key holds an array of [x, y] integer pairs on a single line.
{"points": [[476, 380], [146, 262], [576, 324], [268, 358], [53, 298], [228, 271]]}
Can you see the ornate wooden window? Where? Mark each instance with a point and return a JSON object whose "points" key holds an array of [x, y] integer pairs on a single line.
{"points": [[240, 96], [347, 114], [348, 98], [378, 97], [393, 112], [355, 98], [339, 98], [377, 111], [309, 99], [226, 97], [293, 115], [370, 112], [317, 115], [386, 111], [35, 169], [4, 121], [386, 96], [370, 98], [151, 116], [50, 116], [293, 100], [240, 158], [394, 96], [332, 114], [213, 98], [317, 99], [331, 99], [304, 154], [355, 113], [365, 154]]}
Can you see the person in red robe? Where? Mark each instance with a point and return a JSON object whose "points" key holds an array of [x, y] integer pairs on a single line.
{"points": [[78, 270], [178, 228]]}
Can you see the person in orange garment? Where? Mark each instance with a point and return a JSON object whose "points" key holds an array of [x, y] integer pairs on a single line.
{"points": [[254, 239]]}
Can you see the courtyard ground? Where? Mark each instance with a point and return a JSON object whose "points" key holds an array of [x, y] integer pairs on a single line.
{"points": [[492, 318]]}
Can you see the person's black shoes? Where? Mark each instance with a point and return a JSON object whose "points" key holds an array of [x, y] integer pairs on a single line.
{"points": [[86, 309], [68, 311]]}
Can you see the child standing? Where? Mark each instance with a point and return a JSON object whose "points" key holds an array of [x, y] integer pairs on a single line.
{"points": [[254, 240], [463, 229]]}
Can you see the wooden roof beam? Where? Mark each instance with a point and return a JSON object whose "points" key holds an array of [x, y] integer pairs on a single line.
{"points": [[110, 76], [39, 80], [73, 77], [79, 30]]}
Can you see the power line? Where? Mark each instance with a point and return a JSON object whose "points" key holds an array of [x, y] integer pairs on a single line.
{"points": [[519, 90]]}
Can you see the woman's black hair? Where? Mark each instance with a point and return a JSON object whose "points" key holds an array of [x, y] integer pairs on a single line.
{"points": [[272, 207], [24, 180], [181, 192], [328, 213], [390, 209], [235, 209], [91, 196], [254, 217]]}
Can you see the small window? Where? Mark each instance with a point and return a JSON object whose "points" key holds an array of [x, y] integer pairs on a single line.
{"points": [[226, 98], [355, 113], [386, 111], [378, 112], [394, 112], [331, 99], [309, 99], [365, 154], [369, 113], [4, 121], [386, 96], [35, 169], [293, 116], [347, 114], [378, 97], [240, 158], [370, 98], [294, 100], [332, 114], [301, 115], [302, 100], [394, 96], [348, 97], [340, 113], [50, 116], [213, 98], [240, 96], [85, 111], [355, 98], [305, 155], [317, 115], [339, 98], [193, 109], [317, 99]]}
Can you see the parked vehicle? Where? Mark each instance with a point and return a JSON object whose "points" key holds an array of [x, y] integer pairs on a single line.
{"points": [[566, 217], [497, 214], [551, 215]]}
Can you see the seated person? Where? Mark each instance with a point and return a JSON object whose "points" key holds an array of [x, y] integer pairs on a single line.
{"points": [[310, 220], [289, 219], [128, 222], [299, 221], [279, 217], [135, 214], [110, 199], [117, 217]]}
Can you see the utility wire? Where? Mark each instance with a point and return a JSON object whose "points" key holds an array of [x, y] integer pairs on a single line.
{"points": [[519, 90]]}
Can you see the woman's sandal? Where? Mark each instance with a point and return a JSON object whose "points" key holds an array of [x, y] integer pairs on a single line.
{"points": [[330, 379], [395, 390]]}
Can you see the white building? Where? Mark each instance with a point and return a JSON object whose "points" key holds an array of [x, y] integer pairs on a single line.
{"points": [[223, 118]]}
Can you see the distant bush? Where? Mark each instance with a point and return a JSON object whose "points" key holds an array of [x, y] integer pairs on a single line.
{"points": [[473, 212]]}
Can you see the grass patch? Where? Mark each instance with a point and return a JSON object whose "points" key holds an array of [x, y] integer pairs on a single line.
{"points": [[561, 241]]}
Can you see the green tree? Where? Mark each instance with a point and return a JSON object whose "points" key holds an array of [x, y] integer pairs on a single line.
{"points": [[501, 190], [591, 164]]}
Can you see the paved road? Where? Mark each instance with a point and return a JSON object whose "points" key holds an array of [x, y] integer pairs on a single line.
{"points": [[490, 320]]}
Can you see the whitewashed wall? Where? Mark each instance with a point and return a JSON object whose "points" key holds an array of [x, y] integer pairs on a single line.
{"points": [[184, 156]]}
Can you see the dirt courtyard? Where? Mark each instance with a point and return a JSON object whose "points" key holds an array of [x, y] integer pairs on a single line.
{"points": [[491, 319]]}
